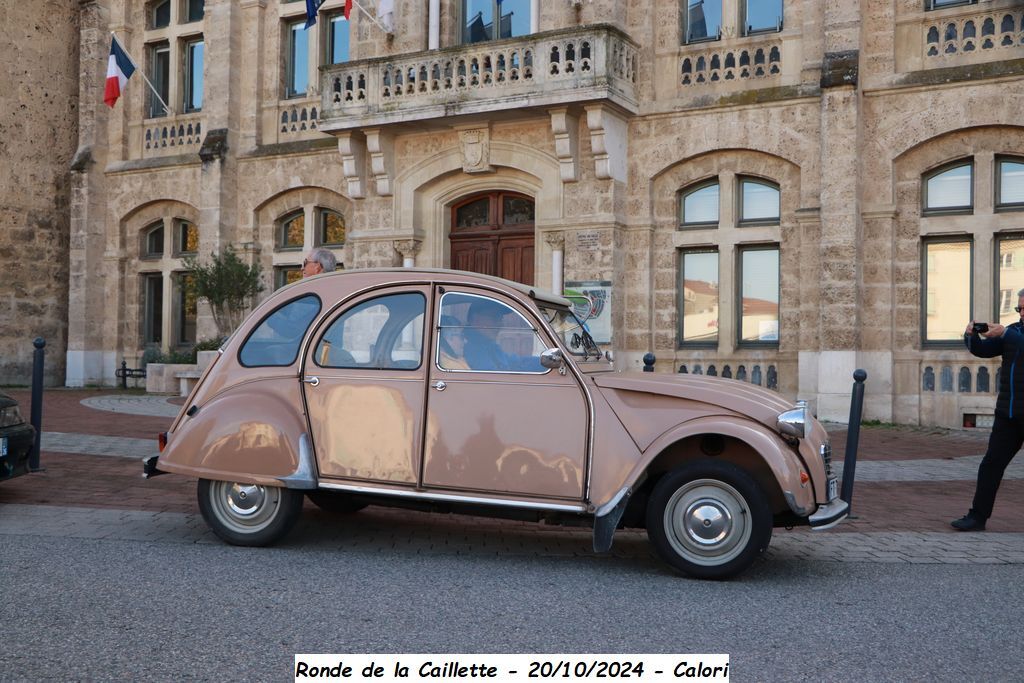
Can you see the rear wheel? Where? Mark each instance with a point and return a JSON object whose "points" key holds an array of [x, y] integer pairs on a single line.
{"points": [[709, 519], [335, 502], [248, 514]]}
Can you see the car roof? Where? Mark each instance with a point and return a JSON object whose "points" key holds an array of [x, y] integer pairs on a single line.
{"points": [[539, 295]]}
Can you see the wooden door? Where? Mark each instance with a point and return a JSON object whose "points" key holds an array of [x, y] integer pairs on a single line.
{"points": [[493, 234]]}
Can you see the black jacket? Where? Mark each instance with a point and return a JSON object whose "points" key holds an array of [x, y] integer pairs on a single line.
{"points": [[1010, 346]]}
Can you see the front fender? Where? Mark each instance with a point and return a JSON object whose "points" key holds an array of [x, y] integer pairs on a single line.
{"points": [[250, 433], [784, 464]]}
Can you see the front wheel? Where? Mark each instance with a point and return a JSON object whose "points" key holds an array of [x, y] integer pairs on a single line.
{"points": [[248, 514], [709, 519]]}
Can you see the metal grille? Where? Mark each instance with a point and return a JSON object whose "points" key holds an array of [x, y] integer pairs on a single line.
{"points": [[826, 457]]}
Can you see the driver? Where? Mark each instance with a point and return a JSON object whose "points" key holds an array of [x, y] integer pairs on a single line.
{"points": [[482, 352]]}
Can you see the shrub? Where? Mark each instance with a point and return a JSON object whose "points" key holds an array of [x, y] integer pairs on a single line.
{"points": [[226, 283]]}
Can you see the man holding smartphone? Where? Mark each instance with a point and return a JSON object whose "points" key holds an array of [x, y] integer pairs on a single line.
{"points": [[988, 340]]}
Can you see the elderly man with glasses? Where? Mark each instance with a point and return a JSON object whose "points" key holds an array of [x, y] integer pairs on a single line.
{"points": [[988, 341], [319, 261]]}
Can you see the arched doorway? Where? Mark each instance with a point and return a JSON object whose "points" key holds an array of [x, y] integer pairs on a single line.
{"points": [[492, 233]]}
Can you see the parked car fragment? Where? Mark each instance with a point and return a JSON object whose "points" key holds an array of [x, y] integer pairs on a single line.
{"points": [[16, 439], [451, 391]]}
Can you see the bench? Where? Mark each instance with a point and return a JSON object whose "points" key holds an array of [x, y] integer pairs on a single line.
{"points": [[187, 380]]}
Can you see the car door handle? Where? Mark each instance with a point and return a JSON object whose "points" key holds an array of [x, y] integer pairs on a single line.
{"points": [[311, 381], [440, 386]]}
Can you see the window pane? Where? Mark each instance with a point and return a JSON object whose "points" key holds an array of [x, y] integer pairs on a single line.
{"points": [[196, 9], [338, 51], [763, 15], [1011, 182], [160, 68], [760, 291], [473, 214], [186, 311], [332, 228], [188, 238], [950, 189], [760, 202], [699, 297], [701, 206], [194, 77], [478, 20], [1010, 278], [286, 275], [385, 333], [162, 14], [517, 210], [154, 303], [155, 241], [293, 231], [515, 18], [703, 19], [298, 60], [496, 338], [947, 301], [276, 341]]}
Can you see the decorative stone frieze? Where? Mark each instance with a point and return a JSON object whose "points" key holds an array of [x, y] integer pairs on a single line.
{"points": [[984, 33]]}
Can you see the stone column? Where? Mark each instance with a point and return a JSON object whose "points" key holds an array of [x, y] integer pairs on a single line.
{"points": [[556, 240], [434, 25], [87, 359], [408, 249], [250, 128]]}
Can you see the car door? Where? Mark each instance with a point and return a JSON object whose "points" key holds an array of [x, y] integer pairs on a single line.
{"points": [[363, 381], [497, 421]]}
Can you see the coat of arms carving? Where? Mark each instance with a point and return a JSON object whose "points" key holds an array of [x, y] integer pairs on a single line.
{"points": [[476, 150]]}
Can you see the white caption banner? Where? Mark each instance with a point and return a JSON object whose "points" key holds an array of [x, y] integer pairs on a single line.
{"points": [[420, 668]]}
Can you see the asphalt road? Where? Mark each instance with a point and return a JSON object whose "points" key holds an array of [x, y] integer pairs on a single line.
{"points": [[86, 609]]}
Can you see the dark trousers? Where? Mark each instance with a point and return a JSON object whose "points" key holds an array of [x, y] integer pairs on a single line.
{"points": [[1006, 439]]}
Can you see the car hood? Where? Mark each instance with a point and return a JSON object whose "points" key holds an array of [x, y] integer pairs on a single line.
{"points": [[732, 395]]}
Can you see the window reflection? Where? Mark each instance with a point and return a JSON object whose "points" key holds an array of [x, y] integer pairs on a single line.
{"points": [[700, 206], [759, 305], [948, 291], [699, 297], [703, 20], [292, 231], [950, 189], [759, 201], [763, 15], [339, 39], [194, 76], [478, 19], [1011, 183], [298, 59]]}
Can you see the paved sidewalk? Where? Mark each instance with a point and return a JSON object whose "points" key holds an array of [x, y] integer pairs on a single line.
{"points": [[910, 483]]}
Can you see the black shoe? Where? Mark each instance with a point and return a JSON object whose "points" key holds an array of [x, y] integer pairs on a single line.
{"points": [[968, 523]]}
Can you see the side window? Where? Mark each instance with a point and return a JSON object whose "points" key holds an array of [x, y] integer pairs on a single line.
{"points": [[385, 333], [479, 333], [277, 339]]}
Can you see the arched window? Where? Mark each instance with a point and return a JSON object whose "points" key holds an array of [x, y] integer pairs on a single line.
{"points": [[1009, 183], [949, 189], [153, 240], [160, 14], [291, 230], [698, 204], [758, 202]]}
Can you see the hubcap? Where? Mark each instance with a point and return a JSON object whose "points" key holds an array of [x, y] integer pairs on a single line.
{"points": [[707, 522], [245, 500], [244, 508]]}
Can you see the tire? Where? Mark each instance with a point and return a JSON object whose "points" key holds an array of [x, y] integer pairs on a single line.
{"points": [[335, 502], [709, 519], [248, 514]]}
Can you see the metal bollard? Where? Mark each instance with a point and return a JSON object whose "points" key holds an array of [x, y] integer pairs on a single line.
{"points": [[36, 417], [124, 374], [853, 436], [649, 362]]}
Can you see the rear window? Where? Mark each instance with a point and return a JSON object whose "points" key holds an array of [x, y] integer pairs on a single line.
{"points": [[277, 340]]}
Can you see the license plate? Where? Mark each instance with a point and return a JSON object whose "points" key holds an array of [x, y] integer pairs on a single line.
{"points": [[833, 488], [3, 446]]}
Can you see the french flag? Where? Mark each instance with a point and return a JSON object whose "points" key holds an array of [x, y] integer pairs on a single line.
{"points": [[119, 69]]}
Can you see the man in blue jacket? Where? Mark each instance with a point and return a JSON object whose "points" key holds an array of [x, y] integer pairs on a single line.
{"points": [[1008, 428]]}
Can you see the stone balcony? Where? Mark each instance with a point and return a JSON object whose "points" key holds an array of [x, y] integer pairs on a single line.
{"points": [[961, 35], [556, 68]]}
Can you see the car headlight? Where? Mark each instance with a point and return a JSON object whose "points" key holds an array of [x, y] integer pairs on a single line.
{"points": [[10, 416], [795, 422]]}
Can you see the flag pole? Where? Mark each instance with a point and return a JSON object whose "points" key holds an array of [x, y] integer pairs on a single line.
{"points": [[142, 73], [372, 18]]}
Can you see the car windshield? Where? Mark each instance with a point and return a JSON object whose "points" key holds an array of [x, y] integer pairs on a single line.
{"points": [[573, 332]]}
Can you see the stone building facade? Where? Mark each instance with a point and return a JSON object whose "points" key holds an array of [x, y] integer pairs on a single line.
{"points": [[38, 131], [765, 189]]}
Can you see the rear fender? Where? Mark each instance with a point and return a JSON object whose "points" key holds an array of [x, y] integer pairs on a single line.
{"points": [[250, 433]]}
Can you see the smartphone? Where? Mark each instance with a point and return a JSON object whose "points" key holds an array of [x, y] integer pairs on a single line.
{"points": [[980, 328]]}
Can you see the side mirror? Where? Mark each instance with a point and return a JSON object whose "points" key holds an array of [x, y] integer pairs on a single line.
{"points": [[552, 358]]}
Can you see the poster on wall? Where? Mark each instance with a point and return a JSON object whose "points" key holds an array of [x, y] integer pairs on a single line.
{"points": [[592, 303]]}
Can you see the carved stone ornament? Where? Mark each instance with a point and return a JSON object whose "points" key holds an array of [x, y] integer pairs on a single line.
{"points": [[476, 150], [555, 240]]}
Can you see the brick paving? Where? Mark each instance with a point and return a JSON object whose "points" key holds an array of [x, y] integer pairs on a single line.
{"points": [[901, 521]]}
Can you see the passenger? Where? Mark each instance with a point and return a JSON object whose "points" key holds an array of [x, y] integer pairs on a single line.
{"points": [[452, 342], [483, 322]]}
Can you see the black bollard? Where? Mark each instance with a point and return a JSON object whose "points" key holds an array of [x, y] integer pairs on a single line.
{"points": [[853, 436], [124, 374], [649, 362], [37, 402]]}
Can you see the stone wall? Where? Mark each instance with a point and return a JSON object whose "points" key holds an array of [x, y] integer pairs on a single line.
{"points": [[39, 130]]}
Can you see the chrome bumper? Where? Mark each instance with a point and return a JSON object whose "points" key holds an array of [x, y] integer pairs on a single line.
{"points": [[830, 514]]}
